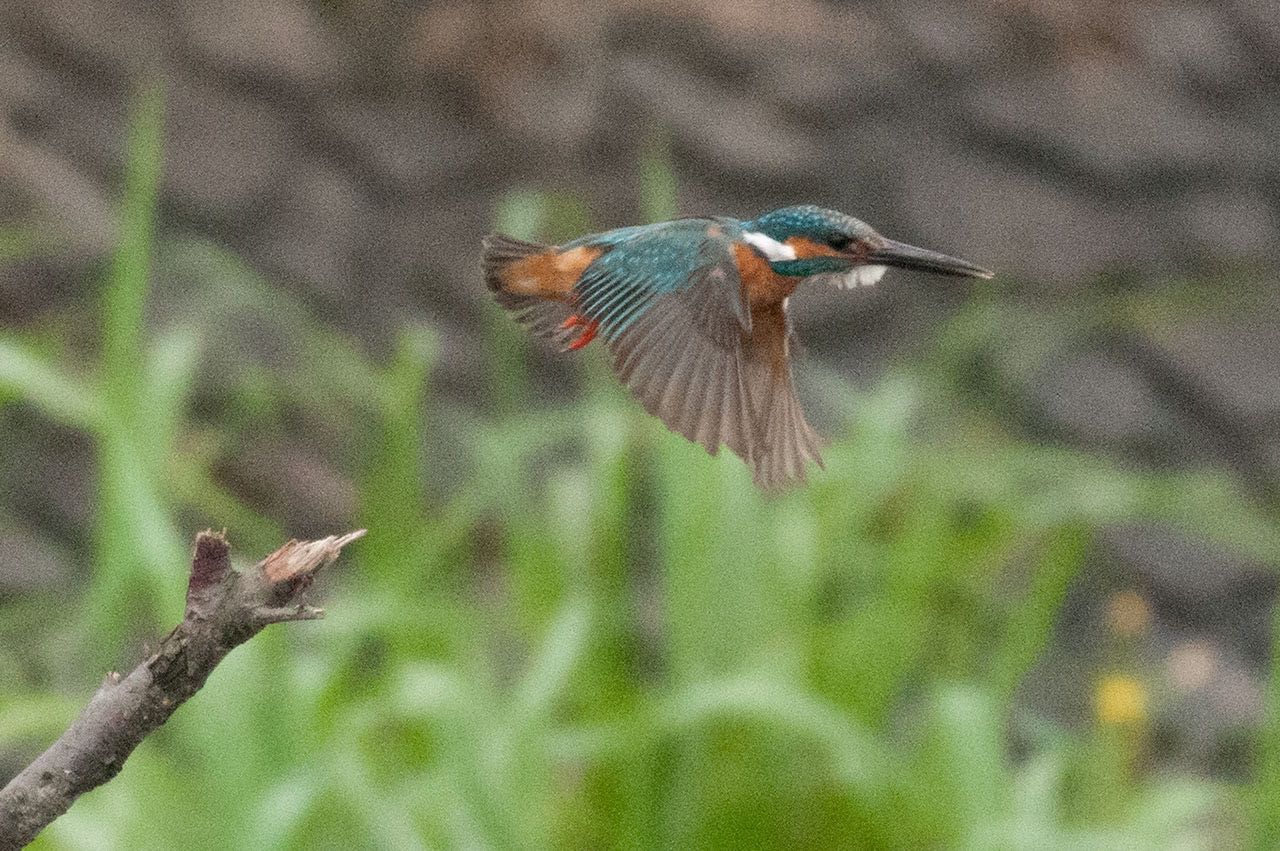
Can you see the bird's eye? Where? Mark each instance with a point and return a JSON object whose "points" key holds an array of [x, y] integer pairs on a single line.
{"points": [[839, 241]]}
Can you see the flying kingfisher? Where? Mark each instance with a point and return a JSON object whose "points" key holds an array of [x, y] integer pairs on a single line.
{"points": [[694, 312]]}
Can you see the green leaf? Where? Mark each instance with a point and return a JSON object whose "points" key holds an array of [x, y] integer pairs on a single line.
{"points": [[30, 376]]}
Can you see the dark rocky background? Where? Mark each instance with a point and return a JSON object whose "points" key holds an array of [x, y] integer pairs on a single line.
{"points": [[354, 152]]}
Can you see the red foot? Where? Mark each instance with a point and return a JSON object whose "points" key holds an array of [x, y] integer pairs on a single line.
{"points": [[587, 334]]}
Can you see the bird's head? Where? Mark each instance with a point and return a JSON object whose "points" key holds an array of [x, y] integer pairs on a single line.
{"points": [[807, 240]]}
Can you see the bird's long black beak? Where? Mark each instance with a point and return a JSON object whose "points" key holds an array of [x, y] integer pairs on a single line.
{"points": [[922, 259]]}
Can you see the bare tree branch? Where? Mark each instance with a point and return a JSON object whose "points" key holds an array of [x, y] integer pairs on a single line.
{"points": [[224, 609]]}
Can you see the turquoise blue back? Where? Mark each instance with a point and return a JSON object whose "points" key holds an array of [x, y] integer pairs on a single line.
{"points": [[647, 261]]}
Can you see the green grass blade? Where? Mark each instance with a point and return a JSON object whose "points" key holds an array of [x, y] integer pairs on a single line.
{"points": [[124, 296], [138, 559], [1265, 791], [28, 375], [658, 201], [550, 669], [1031, 623], [392, 495]]}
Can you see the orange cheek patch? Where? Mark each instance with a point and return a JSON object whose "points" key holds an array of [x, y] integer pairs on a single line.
{"points": [[550, 274]]}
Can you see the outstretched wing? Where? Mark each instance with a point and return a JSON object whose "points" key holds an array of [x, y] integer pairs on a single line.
{"points": [[672, 307], [642, 264], [785, 441]]}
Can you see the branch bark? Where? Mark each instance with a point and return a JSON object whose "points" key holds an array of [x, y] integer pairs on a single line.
{"points": [[224, 609]]}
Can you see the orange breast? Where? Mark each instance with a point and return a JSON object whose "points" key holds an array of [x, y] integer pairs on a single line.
{"points": [[763, 286]]}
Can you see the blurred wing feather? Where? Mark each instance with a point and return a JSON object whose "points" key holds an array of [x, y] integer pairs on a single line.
{"points": [[785, 440], [685, 378], [698, 358]]}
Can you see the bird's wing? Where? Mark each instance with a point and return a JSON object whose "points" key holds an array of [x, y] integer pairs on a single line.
{"points": [[642, 264], [785, 441], [672, 309]]}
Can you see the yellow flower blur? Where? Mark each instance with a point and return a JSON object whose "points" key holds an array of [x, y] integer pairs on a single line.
{"points": [[1120, 699]]}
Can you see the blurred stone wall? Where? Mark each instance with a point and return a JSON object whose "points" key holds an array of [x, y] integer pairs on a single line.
{"points": [[356, 149]]}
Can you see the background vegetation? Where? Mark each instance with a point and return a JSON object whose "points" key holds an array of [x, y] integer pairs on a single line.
{"points": [[568, 627]]}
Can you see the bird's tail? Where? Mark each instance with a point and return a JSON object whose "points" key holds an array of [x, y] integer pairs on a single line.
{"points": [[499, 255]]}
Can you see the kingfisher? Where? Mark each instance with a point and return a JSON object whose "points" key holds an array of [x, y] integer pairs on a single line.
{"points": [[694, 314]]}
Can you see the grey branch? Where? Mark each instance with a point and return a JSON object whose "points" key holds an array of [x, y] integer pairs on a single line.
{"points": [[224, 609]]}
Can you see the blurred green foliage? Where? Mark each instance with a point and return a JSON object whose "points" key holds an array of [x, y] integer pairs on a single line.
{"points": [[596, 635]]}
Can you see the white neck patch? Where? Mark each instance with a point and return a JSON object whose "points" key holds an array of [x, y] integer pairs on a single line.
{"points": [[860, 276], [768, 246]]}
